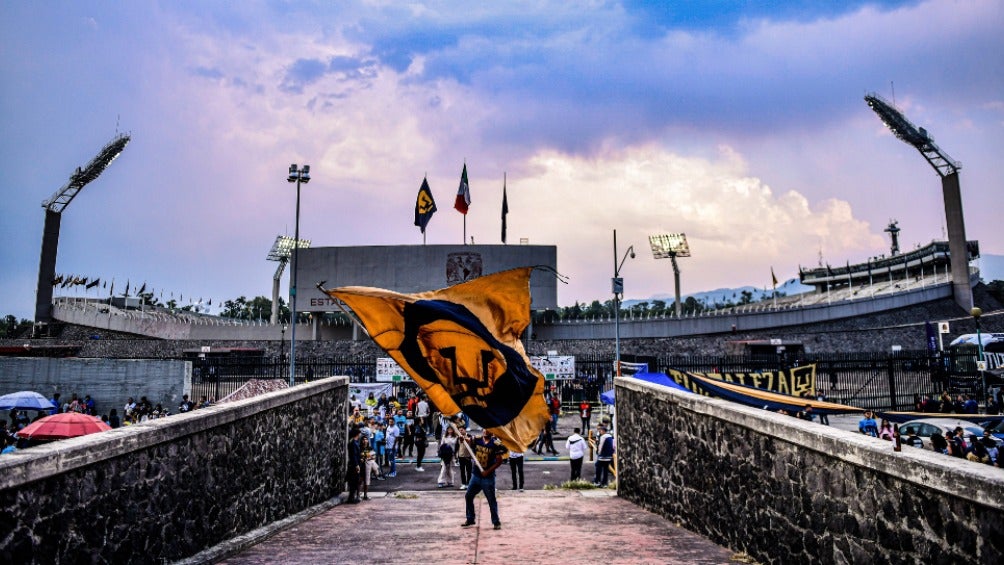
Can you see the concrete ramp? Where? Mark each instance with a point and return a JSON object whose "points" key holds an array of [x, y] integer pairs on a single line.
{"points": [[593, 526]]}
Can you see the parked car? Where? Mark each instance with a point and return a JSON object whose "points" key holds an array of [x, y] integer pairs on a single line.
{"points": [[924, 427], [996, 429]]}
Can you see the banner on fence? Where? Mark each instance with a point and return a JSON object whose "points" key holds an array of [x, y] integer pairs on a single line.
{"points": [[628, 368], [795, 381], [362, 390], [554, 367], [388, 371]]}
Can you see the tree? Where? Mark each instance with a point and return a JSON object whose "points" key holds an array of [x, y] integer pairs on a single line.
{"points": [[996, 289], [10, 327]]}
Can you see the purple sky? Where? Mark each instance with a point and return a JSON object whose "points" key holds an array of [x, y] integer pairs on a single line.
{"points": [[743, 127]]}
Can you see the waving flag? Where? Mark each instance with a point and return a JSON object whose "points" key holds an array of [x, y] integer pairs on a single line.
{"points": [[463, 201], [505, 208], [461, 345], [425, 206], [773, 277]]}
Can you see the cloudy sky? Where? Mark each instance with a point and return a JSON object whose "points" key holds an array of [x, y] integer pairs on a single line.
{"points": [[741, 124]]}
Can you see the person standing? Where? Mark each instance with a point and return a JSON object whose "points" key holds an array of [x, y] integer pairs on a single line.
{"points": [[447, 449], [554, 407], [421, 442], [576, 446], [408, 439], [354, 463], [516, 466], [585, 413], [604, 457], [422, 413], [465, 456], [390, 447], [489, 453]]}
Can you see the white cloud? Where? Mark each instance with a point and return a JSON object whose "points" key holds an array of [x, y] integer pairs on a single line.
{"points": [[735, 223]]}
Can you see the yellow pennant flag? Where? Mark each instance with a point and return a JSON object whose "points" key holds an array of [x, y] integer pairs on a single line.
{"points": [[461, 345]]}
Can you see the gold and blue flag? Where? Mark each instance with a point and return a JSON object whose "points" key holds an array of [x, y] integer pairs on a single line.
{"points": [[462, 346], [425, 206]]}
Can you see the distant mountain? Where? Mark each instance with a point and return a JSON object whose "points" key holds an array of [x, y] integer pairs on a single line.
{"points": [[992, 268], [790, 287]]}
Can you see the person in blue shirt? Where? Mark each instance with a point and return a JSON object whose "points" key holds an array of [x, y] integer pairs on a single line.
{"points": [[868, 425]]}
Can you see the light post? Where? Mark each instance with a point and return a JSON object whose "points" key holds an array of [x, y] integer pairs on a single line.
{"points": [[298, 176], [282, 349], [617, 287], [976, 312]]}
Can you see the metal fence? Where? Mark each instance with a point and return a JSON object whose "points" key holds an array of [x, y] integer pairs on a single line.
{"points": [[890, 381]]}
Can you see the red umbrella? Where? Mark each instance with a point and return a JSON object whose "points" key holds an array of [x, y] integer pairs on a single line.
{"points": [[62, 426]]}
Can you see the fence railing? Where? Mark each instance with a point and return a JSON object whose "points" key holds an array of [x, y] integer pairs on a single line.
{"points": [[889, 381]]}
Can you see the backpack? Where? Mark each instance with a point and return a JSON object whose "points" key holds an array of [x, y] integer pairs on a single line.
{"points": [[445, 451]]}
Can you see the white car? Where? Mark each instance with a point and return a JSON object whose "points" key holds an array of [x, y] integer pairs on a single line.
{"points": [[924, 427]]}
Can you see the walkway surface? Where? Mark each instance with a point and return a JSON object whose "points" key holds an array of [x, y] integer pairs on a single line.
{"points": [[544, 526]]}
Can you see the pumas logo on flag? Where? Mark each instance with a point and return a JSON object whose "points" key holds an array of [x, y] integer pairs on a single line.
{"points": [[461, 345]]}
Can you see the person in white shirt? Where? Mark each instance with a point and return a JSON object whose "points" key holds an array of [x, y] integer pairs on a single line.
{"points": [[422, 413], [390, 447], [576, 446]]}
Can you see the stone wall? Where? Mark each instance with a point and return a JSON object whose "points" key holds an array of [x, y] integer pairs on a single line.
{"points": [[170, 488], [787, 491], [109, 382]]}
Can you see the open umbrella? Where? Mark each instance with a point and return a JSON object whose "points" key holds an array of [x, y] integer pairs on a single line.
{"points": [[25, 400], [62, 426]]}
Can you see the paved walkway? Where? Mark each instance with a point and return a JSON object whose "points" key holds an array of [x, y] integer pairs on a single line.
{"points": [[547, 526]]}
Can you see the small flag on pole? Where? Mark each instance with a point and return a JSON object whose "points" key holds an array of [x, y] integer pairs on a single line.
{"points": [[505, 208], [425, 206], [773, 277], [463, 201]]}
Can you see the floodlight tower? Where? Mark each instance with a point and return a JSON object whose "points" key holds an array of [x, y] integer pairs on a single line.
{"points": [[948, 170], [281, 251], [54, 207], [671, 245]]}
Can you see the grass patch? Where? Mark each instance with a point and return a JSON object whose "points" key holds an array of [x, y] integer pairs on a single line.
{"points": [[577, 484], [405, 495]]}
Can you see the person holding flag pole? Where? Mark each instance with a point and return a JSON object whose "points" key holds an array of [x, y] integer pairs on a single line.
{"points": [[463, 200], [489, 454]]}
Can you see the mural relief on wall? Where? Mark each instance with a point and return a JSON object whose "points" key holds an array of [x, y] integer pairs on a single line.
{"points": [[462, 267]]}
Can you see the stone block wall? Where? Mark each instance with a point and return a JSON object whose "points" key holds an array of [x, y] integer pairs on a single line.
{"points": [[170, 488], [787, 491]]}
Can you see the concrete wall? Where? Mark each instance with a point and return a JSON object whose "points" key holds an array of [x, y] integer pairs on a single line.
{"points": [[416, 268], [787, 491], [110, 382], [170, 488], [161, 325]]}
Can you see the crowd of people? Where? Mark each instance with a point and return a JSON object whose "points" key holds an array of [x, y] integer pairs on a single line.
{"points": [[981, 449], [383, 429], [958, 404], [133, 412]]}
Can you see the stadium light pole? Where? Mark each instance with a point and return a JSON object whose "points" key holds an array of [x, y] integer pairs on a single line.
{"points": [[948, 170], [671, 245], [617, 286], [298, 176], [54, 208]]}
